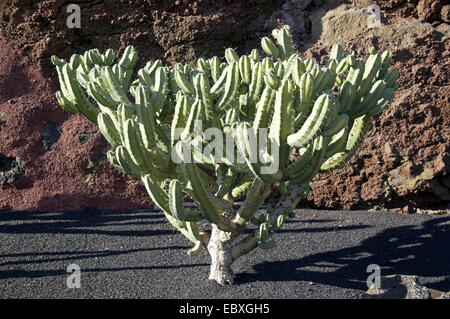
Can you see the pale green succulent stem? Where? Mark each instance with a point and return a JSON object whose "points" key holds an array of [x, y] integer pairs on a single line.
{"points": [[257, 194], [289, 202]]}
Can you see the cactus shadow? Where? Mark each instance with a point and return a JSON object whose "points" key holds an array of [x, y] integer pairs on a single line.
{"points": [[34, 259], [411, 250], [88, 221], [322, 229]]}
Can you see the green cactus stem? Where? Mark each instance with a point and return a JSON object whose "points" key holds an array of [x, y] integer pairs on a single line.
{"points": [[266, 106]]}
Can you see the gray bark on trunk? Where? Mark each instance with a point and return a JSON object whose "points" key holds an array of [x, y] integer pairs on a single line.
{"points": [[221, 257]]}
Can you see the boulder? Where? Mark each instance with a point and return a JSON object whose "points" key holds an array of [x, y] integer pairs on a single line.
{"points": [[402, 287]]}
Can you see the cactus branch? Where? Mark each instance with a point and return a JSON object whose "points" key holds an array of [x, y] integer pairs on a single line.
{"points": [[272, 107]]}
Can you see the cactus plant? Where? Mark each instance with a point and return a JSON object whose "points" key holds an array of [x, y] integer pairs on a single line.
{"points": [[315, 116]]}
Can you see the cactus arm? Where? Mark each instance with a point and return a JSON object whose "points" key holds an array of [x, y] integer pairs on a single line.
{"points": [[183, 82], [219, 84], [269, 47], [298, 69], [385, 60], [96, 91], [160, 89], [114, 86], [203, 93], [360, 128], [126, 162], [179, 119], [192, 230], [306, 86], [337, 143], [132, 144], [214, 64], [313, 124], [124, 76], [204, 66], [334, 127], [242, 185], [383, 102], [244, 135], [194, 115], [369, 101], [160, 198], [245, 69], [336, 52], [65, 103], [285, 44], [203, 90], [300, 163], [256, 195], [323, 81], [372, 66], [280, 127], [346, 96], [286, 203], [320, 147], [208, 205], [76, 94], [145, 117], [227, 183], [256, 86], [176, 204], [263, 109], [108, 129], [231, 87], [231, 56]]}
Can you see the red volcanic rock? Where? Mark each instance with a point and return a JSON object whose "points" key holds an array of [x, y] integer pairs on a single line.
{"points": [[429, 10], [71, 174]]}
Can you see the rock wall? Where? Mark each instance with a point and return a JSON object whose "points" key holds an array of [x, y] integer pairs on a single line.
{"points": [[52, 161], [405, 159]]}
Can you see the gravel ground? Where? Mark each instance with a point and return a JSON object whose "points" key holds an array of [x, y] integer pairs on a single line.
{"points": [[136, 254]]}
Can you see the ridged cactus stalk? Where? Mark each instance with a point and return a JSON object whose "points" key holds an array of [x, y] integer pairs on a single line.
{"points": [[276, 120]]}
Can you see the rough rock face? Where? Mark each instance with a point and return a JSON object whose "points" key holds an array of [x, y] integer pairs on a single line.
{"points": [[432, 11], [163, 29], [405, 159], [43, 163], [53, 161], [429, 10]]}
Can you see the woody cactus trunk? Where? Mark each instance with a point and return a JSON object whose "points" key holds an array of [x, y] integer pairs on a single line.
{"points": [[281, 119]]}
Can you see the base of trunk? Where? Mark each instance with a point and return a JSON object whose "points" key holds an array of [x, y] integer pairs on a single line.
{"points": [[221, 257]]}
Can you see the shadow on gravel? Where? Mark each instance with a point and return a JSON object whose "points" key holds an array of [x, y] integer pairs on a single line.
{"points": [[322, 229], [88, 221], [21, 273], [74, 255], [422, 250]]}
